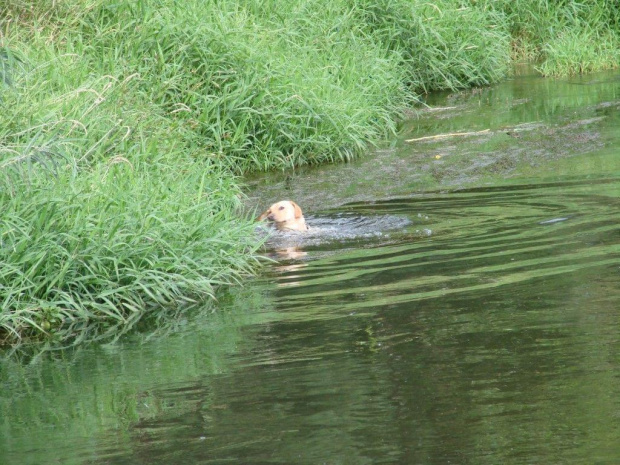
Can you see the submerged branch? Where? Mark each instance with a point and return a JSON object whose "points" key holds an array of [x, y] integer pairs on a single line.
{"points": [[453, 134]]}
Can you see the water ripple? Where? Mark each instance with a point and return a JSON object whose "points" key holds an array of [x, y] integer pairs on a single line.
{"points": [[506, 236]]}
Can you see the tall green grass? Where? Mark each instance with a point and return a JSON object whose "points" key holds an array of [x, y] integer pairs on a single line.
{"points": [[109, 208], [258, 86], [122, 126], [576, 51], [442, 45], [107, 211], [116, 242], [563, 38]]}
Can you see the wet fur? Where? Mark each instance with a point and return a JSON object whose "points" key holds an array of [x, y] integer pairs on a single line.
{"points": [[286, 216]]}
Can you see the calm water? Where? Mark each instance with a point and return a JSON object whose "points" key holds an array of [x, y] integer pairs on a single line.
{"points": [[459, 302]]}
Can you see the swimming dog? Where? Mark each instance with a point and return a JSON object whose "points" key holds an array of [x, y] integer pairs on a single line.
{"points": [[286, 216]]}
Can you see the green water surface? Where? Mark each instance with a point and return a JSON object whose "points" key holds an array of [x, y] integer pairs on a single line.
{"points": [[485, 331]]}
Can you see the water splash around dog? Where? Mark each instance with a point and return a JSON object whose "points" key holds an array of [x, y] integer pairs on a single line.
{"points": [[341, 228]]}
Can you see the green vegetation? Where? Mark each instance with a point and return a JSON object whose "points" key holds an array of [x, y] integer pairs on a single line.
{"points": [[442, 45], [123, 125], [564, 37]]}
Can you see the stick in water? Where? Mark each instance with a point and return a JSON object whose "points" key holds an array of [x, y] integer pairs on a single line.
{"points": [[454, 134]]}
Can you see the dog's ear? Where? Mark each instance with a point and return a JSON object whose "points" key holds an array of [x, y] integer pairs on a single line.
{"points": [[298, 213], [264, 215]]}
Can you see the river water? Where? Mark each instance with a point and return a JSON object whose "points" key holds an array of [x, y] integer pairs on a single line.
{"points": [[458, 301]]}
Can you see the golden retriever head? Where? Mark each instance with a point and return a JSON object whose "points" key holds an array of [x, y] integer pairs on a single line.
{"points": [[286, 215]]}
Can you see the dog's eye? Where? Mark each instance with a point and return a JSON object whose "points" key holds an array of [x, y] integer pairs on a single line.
{"points": [[281, 208]]}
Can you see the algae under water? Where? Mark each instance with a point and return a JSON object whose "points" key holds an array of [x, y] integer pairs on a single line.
{"points": [[461, 307]]}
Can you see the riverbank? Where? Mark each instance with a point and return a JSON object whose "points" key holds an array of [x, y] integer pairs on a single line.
{"points": [[125, 125]]}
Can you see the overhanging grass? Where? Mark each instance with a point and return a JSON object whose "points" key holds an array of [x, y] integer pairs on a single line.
{"points": [[580, 51], [443, 45], [109, 209], [564, 38], [114, 243], [260, 84]]}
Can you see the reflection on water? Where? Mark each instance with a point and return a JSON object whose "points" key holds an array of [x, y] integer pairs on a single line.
{"points": [[473, 320]]}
